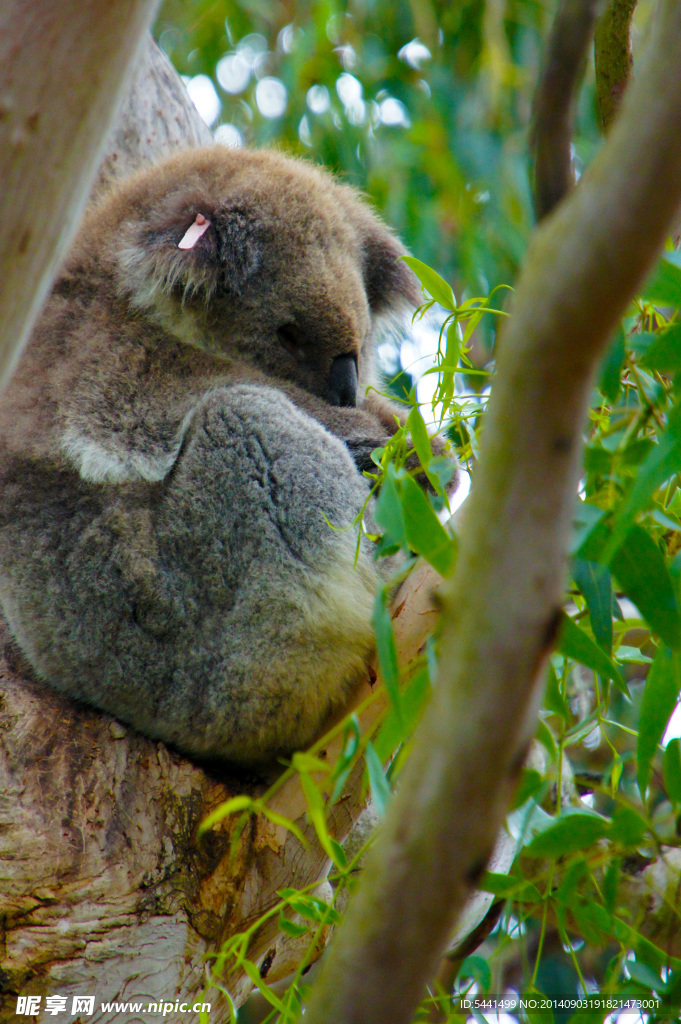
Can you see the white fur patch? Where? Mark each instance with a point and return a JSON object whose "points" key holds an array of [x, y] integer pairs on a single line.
{"points": [[100, 465]]}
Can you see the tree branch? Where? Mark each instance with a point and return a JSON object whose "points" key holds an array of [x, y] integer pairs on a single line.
{"points": [[63, 69], [501, 608], [554, 101], [613, 59]]}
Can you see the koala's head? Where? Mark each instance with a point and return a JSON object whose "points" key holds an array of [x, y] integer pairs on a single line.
{"points": [[257, 257]]}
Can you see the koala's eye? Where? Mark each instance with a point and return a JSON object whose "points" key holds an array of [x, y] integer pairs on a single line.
{"points": [[290, 336]]}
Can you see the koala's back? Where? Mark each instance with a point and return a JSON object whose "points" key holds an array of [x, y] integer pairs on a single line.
{"points": [[176, 539], [216, 610]]}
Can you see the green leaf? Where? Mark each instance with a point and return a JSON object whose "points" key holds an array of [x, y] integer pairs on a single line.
{"points": [[671, 768], [538, 1016], [339, 859], [316, 813], [310, 908], [425, 533], [530, 783], [663, 461], [412, 702], [611, 884], [380, 789], [442, 469], [554, 700], [595, 583], [628, 828], [283, 822], [659, 700], [575, 644], [586, 519], [476, 967], [233, 806], [433, 283], [254, 974], [643, 975], [290, 927], [640, 568], [510, 887], [664, 355], [664, 284], [387, 651], [611, 366], [419, 436], [632, 656], [593, 920], [567, 834], [388, 514]]}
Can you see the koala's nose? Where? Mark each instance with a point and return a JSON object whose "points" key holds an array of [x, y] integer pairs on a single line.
{"points": [[342, 386]]}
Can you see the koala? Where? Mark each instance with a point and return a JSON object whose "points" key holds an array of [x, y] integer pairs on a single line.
{"points": [[181, 454]]}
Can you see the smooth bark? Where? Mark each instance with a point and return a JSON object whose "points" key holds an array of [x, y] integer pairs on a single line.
{"points": [[63, 70]]}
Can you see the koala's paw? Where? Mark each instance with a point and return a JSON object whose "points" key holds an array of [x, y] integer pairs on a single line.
{"points": [[440, 449], [360, 449]]}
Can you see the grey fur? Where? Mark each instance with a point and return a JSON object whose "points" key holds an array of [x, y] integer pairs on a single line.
{"points": [[169, 464]]}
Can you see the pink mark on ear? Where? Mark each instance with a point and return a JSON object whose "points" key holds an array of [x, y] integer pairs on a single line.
{"points": [[194, 232]]}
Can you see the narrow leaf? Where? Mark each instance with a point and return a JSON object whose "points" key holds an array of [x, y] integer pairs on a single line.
{"points": [[233, 806], [642, 573], [432, 282], [575, 644], [659, 700], [595, 583], [425, 533], [387, 651], [419, 436], [611, 366], [510, 887], [569, 833], [316, 814], [663, 461], [380, 790], [477, 967], [388, 513], [671, 769], [664, 355], [664, 284]]}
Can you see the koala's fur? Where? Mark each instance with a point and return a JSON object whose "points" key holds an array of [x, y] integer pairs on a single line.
{"points": [[171, 456]]}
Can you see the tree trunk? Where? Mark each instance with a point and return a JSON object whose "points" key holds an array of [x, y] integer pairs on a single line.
{"points": [[105, 888]]}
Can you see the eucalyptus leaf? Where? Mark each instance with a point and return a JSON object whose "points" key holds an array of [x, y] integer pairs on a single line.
{"points": [[432, 282], [664, 284], [380, 789], [640, 568], [662, 462], [576, 644], [664, 355], [595, 583], [671, 770], [659, 700], [387, 651], [424, 532], [567, 834]]}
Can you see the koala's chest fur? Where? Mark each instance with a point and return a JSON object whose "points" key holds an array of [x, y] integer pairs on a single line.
{"points": [[188, 419]]}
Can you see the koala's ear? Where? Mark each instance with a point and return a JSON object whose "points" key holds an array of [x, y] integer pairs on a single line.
{"points": [[191, 246], [387, 278]]}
